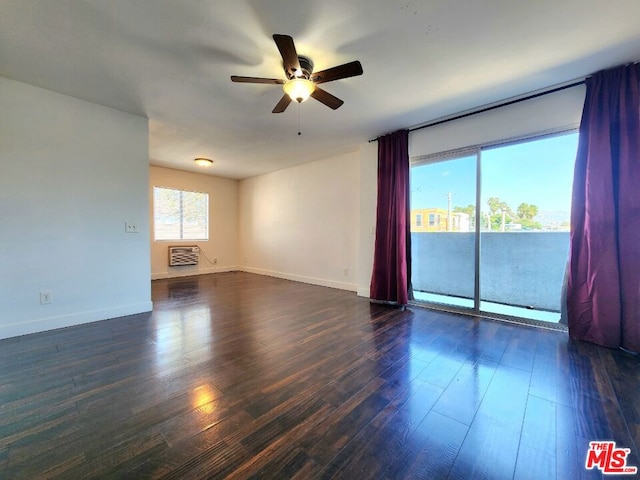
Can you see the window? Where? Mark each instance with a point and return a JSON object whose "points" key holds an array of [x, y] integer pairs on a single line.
{"points": [[418, 220], [511, 259], [180, 215]]}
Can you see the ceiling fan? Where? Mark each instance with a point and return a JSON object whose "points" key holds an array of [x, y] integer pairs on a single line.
{"points": [[302, 82]]}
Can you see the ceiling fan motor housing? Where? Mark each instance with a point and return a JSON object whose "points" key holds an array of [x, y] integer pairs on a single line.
{"points": [[306, 67]]}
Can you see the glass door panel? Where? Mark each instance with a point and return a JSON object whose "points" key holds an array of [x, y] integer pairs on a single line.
{"points": [[524, 239], [443, 199]]}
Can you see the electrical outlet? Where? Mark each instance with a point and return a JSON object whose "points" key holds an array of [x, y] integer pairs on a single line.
{"points": [[45, 298], [346, 272], [130, 227], [215, 260]]}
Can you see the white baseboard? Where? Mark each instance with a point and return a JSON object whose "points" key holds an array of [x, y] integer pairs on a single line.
{"points": [[176, 272], [352, 287], [77, 318]]}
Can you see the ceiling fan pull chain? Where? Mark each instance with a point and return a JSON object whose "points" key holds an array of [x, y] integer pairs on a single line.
{"points": [[299, 132]]}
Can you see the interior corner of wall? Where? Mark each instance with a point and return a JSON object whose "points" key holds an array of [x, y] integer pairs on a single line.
{"points": [[363, 292]]}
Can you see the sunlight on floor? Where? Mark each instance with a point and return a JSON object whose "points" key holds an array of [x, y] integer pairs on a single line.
{"points": [[489, 307]]}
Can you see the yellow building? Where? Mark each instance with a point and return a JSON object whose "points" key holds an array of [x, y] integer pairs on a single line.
{"points": [[437, 220], [429, 220]]}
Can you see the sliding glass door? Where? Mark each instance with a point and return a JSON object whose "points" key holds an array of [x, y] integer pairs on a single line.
{"points": [[490, 227]]}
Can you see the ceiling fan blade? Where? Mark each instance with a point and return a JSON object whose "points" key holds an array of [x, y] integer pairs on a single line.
{"points": [[288, 51], [274, 81], [351, 69], [282, 104], [325, 97]]}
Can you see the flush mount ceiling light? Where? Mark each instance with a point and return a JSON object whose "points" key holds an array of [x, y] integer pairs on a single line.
{"points": [[204, 162], [299, 89]]}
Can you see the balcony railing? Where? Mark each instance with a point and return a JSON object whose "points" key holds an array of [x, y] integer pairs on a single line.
{"points": [[524, 269]]}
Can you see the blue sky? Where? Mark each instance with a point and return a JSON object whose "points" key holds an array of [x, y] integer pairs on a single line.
{"points": [[538, 172]]}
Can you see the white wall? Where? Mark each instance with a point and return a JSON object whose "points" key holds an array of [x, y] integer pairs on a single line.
{"points": [[223, 223], [71, 174], [368, 191], [302, 223]]}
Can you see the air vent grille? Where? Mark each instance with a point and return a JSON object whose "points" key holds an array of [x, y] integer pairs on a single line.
{"points": [[179, 256]]}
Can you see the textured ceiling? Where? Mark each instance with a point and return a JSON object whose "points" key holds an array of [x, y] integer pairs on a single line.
{"points": [[170, 61]]}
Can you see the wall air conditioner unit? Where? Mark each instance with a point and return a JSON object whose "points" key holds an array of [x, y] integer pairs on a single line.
{"points": [[179, 256]]}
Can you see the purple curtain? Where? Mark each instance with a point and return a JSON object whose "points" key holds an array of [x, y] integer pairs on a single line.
{"points": [[392, 255], [603, 287]]}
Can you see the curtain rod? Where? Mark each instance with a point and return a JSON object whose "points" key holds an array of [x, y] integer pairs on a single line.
{"points": [[493, 107]]}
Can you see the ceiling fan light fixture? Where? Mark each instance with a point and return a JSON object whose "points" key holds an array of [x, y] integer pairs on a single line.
{"points": [[299, 89], [301, 82], [204, 162]]}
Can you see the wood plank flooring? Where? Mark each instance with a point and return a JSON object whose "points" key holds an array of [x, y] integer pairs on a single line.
{"points": [[242, 376]]}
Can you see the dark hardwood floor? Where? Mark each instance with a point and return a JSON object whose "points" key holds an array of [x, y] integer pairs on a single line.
{"points": [[242, 376]]}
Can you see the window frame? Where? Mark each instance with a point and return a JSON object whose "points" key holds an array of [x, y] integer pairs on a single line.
{"points": [[181, 216], [477, 151]]}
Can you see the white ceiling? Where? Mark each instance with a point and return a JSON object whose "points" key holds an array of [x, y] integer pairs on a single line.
{"points": [[171, 60]]}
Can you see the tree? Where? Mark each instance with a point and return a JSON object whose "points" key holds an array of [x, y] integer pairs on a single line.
{"points": [[526, 211], [469, 210], [496, 210], [524, 216], [497, 206], [530, 224], [496, 220], [494, 205]]}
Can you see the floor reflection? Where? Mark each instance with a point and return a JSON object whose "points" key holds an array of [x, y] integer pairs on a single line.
{"points": [[202, 398], [180, 333]]}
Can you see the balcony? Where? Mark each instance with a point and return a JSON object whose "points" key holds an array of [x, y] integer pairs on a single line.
{"points": [[521, 273]]}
